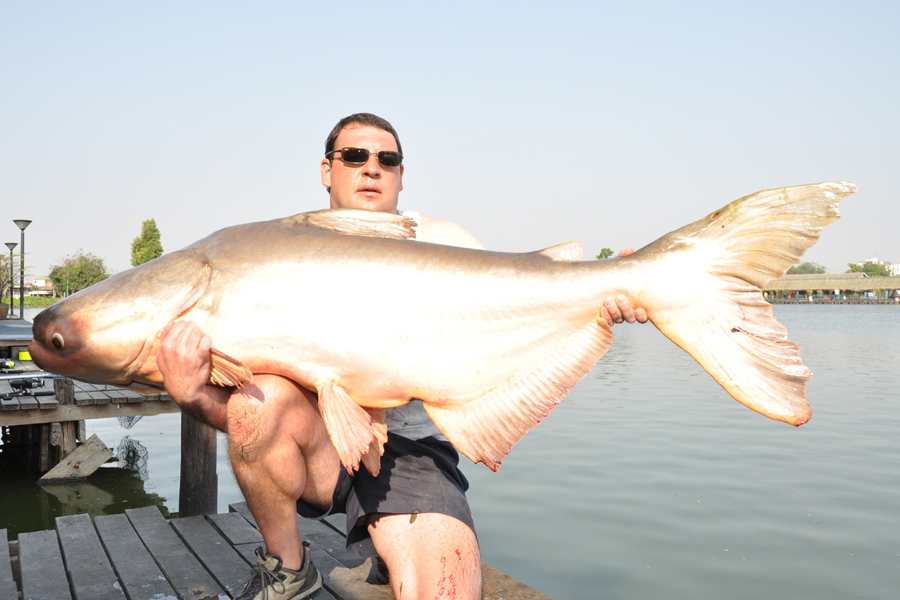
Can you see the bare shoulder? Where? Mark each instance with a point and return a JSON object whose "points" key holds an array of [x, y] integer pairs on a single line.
{"points": [[441, 231]]}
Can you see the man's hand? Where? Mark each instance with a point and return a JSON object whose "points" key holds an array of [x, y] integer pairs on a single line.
{"points": [[619, 309], [184, 361]]}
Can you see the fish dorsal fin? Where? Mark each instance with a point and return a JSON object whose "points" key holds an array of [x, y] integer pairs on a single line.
{"points": [[367, 223], [568, 252], [486, 428], [227, 371], [351, 427]]}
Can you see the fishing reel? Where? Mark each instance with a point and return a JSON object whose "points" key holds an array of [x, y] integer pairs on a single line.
{"points": [[24, 387]]}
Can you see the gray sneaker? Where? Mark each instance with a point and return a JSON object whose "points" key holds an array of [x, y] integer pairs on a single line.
{"points": [[270, 581]]}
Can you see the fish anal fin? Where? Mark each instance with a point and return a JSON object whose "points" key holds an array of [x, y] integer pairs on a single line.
{"points": [[367, 223], [227, 371], [349, 425], [486, 428], [567, 252]]}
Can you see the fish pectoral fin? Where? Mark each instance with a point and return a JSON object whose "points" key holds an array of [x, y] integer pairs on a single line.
{"points": [[568, 252], [367, 223], [372, 458], [227, 371], [486, 428], [351, 427]]}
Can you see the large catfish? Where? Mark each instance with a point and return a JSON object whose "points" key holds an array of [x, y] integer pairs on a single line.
{"points": [[344, 304]]}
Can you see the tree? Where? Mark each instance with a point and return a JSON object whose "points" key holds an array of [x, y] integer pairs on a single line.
{"points": [[78, 272], [870, 269], [5, 292], [807, 268], [604, 254], [147, 246]]}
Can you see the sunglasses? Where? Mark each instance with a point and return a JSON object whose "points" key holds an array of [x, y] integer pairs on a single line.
{"points": [[359, 156]]}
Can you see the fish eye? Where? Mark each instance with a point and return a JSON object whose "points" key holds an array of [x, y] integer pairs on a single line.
{"points": [[58, 342]]}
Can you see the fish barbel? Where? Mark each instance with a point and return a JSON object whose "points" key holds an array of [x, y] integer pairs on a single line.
{"points": [[344, 304]]}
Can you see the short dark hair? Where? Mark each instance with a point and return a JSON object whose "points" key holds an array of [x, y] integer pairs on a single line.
{"points": [[365, 120]]}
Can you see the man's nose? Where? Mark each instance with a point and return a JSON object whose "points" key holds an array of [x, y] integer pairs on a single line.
{"points": [[372, 166]]}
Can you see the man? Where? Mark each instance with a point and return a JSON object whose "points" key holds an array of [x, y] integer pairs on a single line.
{"points": [[282, 455]]}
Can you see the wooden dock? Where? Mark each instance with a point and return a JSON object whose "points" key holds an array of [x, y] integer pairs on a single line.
{"points": [[140, 555]]}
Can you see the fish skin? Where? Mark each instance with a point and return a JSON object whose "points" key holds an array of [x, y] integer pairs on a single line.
{"points": [[491, 342]]}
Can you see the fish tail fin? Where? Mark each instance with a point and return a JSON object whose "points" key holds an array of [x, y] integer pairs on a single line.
{"points": [[707, 298]]}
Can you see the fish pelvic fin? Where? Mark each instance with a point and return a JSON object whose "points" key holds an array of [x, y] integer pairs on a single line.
{"points": [[227, 371], [712, 305], [486, 428], [358, 434]]}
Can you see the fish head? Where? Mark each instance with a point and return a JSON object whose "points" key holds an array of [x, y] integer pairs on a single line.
{"points": [[105, 333]]}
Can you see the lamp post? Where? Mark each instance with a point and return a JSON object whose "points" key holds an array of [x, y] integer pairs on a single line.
{"points": [[11, 246], [22, 224]]}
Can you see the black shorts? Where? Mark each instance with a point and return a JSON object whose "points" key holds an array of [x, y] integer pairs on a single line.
{"points": [[416, 475]]}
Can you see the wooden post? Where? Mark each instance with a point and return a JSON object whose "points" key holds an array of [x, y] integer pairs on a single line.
{"points": [[198, 494], [64, 389]]}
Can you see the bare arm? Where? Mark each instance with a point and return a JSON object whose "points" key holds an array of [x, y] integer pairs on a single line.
{"points": [[184, 362]]}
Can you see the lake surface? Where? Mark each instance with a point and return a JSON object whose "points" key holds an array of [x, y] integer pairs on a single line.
{"points": [[649, 481]]}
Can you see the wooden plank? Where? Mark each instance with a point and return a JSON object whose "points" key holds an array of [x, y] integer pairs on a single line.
{"points": [[28, 403], [99, 397], [41, 567], [7, 583], [47, 402], [239, 533], [500, 585], [9, 404], [80, 463], [90, 572], [235, 528], [181, 567], [138, 572], [242, 509], [78, 413], [220, 559]]}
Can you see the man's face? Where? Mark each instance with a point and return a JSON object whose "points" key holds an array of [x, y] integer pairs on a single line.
{"points": [[370, 186]]}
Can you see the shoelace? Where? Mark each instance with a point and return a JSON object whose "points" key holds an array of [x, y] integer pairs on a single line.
{"points": [[266, 578]]}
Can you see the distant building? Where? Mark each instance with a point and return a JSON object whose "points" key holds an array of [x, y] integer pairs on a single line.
{"points": [[892, 268], [42, 286]]}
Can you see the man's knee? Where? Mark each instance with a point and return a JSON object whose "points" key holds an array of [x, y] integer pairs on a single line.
{"points": [[433, 555]]}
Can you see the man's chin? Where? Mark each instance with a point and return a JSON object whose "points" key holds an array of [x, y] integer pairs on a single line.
{"points": [[374, 201]]}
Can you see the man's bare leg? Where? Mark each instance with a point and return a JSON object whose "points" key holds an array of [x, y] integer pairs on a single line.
{"points": [[435, 556], [280, 451]]}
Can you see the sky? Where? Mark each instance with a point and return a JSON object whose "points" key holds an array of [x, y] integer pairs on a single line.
{"points": [[528, 123]]}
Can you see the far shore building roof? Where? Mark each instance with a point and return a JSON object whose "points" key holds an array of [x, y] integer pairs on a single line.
{"points": [[854, 282]]}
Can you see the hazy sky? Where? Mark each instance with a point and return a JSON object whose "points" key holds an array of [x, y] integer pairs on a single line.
{"points": [[529, 123]]}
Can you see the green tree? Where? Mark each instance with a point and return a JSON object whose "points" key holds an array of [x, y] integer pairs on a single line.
{"points": [[604, 254], [146, 246], [5, 290], [870, 269], [78, 272], [807, 268]]}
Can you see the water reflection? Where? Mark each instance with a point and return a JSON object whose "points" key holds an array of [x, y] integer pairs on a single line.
{"points": [[27, 506]]}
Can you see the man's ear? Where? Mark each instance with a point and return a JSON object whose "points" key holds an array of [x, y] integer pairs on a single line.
{"points": [[401, 179], [325, 167]]}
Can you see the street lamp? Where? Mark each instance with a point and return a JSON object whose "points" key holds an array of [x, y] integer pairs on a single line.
{"points": [[11, 245], [22, 224]]}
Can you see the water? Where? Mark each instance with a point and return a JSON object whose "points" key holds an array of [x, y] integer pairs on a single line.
{"points": [[650, 482]]}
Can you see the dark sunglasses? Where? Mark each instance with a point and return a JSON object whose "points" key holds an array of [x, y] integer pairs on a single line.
{"points": [[359, 156]]}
